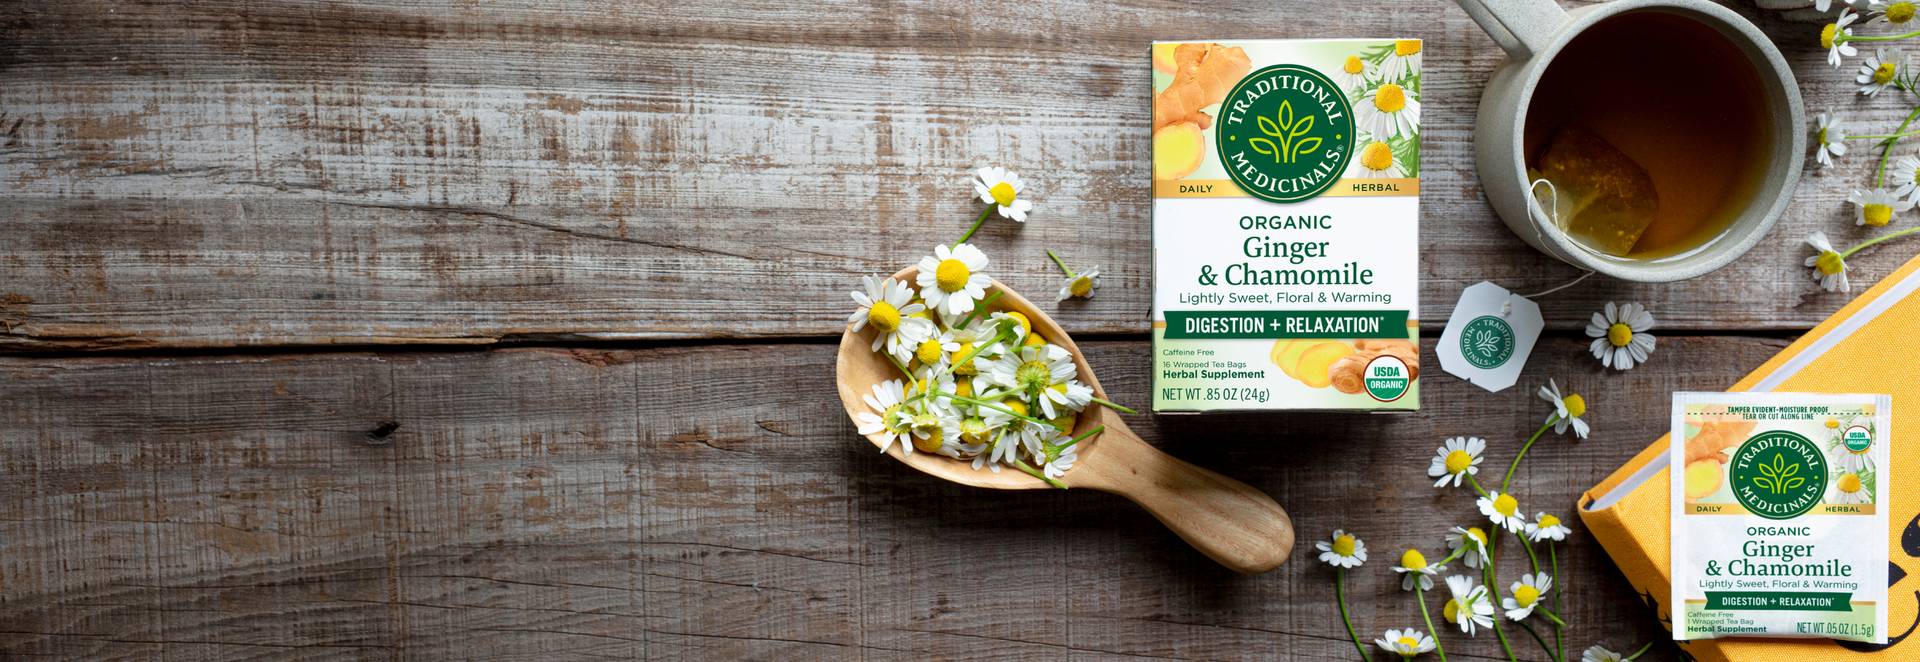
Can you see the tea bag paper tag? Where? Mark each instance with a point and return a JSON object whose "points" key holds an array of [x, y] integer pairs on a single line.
{"points": [[1489, 336]]}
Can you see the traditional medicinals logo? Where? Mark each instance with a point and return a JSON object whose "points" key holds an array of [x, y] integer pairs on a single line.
{"points": [[1486, 342], [1286, 133], [1778, 475]]}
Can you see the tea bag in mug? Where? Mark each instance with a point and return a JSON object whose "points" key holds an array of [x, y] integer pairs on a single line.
{"points": [[1601, 197]]}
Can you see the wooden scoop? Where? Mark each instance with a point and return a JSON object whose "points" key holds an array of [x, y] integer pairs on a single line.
{"points": [[1229, 521]]}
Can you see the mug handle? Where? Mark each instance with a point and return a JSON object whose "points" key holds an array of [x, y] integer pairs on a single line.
{"points": [[1520, 27]]}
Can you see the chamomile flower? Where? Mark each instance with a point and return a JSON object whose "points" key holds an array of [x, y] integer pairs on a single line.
{"points": [[1058, 456], [968, 340], [1598, 653], [935, 350], [1079, 285], [886, 419], [1471, 607], [1877, 206], [1904, 175], [1355, 72], [1000, 187], [1064, 398], [1830, 132], [950, 278], [887, 306], [1547, 527], [1033, 371], [1388, 111], [1456, 459], [1619, 333], [1876, 73], [1403, 62], [1898, 13], [1343, 550], [1566, 410], [1828, 266], [996, 452], [1834, 37], [1376, 161], [1503, 510], [1849, 488], [1474, 539], [1526, 595], [1405, 643], [1414, 569]]}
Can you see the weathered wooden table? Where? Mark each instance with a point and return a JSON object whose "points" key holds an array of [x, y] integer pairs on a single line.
{"points": [[462, 329]]}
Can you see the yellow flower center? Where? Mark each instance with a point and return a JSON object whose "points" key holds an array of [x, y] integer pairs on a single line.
{"points": [[951, 275], [930, 443], [1026, 325], [1828, 33], [1413, 560], [1822, 136], [1065, 422], [974, 430], [928, 352], [963, 388], [884, 316], [894, 421], [1549, 521], [1015, 406], [1002, 193], [1081, 286], [1829, 263], [1850, 483], [1883, 74], [1478, 535], [1343, 545], [1526, 595], [1034, 340], [1899, 12], [1405, 47], [1619, 334], [1506, 505], [1876, 214], [1458, 461], [1376, 156], [965, 368], [1833, 424], [1451, 611], [1408, 643], [1354, 65], [1390, 99], [1576, 405], [1032, 376]]}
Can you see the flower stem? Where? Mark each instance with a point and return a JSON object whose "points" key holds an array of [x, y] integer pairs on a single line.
{"points": [[1876, 240], [1844, 38], [1493, 586], [1544, 611], [1531, 559], [1476, 486], [976, 225], [1880, 173], [1559, 634], [1097, 429], [1886, 136], [1537, 639], [1340, 597], [1115, 406], [1642, 651], [1505, 482], [1036, 473], [978, 307], [895, 360], [1062, 263], [990, 405], [1420, 596]]}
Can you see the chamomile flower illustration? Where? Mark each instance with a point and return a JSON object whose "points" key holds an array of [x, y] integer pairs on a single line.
{"points": [[1877, 207], [1001, 187], [1376, 161], [1567, 410], [1830, 134], [885, 306], [1343, 550], [886, 418], [1834, 37], [951, 280], [1403, 62], [1619, 333], [1829, 267], [1388, 111], [1455, 459], [1470, 608], [1414, 569], [1503, 510], [1405, 643], [1904, 175], [1547, 527], [1876, 73], [1849, 487], [1474, 540], [1355, 73], [1525, 595], [1077, 285]]}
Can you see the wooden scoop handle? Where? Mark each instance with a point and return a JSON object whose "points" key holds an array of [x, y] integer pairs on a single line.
{"points": [[1231, 522]]}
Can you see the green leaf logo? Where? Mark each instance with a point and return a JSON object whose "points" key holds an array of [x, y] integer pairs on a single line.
{"points": [[1285, 133], [1778, 474]]}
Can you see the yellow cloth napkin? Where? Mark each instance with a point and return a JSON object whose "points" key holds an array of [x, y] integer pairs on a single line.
{"points": [[1870, 346]]}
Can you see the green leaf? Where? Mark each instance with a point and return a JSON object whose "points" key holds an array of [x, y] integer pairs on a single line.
{"points": [[1285, 117], [1306, 146], [1267, 126], [1269, 150]]}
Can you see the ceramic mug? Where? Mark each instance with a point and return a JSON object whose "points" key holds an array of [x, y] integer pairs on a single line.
{"points": [[1533, 32]]}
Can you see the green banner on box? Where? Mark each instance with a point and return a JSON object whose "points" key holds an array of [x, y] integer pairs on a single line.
{"points": [[1772, 601], [1238, 324]]}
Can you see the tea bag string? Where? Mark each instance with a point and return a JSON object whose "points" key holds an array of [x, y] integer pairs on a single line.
{"points": [[1506, 307]]}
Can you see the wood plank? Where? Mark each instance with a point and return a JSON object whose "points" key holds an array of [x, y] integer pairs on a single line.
{"points": [[238, 173], [676, 502]]}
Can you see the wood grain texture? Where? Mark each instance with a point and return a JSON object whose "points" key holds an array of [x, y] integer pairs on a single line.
{"points": [[239, 173], [676, 502]]}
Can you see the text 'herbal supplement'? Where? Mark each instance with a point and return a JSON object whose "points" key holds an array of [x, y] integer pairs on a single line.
{"points": [[1779, 515]]}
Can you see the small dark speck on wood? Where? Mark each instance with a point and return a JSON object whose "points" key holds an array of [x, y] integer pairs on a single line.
{"points": [[378, 435]]}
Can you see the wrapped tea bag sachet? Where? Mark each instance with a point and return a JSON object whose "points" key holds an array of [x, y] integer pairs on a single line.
{"points": [[1599, 195]]}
